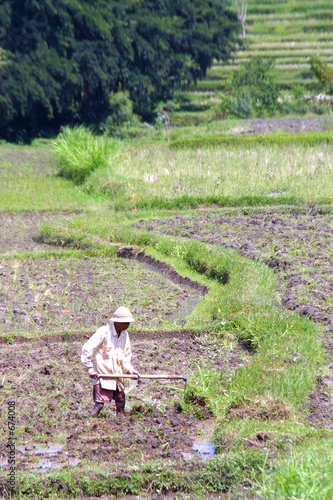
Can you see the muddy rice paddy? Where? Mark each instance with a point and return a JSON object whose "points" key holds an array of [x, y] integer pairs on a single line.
{"points": [[54, 400], [297, 246], [20, 232], [77, 294]]}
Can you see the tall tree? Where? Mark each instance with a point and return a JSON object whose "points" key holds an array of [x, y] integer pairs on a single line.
{"points": [[66, 57]]}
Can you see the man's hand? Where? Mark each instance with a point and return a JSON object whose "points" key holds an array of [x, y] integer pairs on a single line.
{"points": [[92, 373], [135, 372]]}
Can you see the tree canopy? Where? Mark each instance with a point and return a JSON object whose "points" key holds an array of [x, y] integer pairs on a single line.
{"points": [[64, 58]]}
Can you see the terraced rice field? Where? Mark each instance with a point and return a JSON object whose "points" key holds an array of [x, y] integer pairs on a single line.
{"points": [[289, 32]]}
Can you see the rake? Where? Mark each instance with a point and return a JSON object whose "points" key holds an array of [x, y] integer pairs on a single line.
{"points": [[159, 376]]}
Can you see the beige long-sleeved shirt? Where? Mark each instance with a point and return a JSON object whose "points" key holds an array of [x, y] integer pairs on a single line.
{"points": [[105, 353]]}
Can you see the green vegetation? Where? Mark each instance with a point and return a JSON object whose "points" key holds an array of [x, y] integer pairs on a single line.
{"points": [[288, 32], [224, 171], [306, 474], [79, 153], [255, 89], [66, 59], [262, 397]]}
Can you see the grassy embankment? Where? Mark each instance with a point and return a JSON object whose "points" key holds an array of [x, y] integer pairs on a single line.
{"points": [[241, 295]]}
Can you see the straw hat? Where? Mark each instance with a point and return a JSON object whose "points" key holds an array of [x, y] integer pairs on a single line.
{"points": [[122, 315]]}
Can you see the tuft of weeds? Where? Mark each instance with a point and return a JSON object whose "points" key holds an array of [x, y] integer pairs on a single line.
{"points": [[78, 153], [307, 473]]}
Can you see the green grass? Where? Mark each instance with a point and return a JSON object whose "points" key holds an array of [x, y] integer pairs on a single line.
{"points": [[40, 193], [207, 168], [241, 305], [28, 182], [306, 28], [79, 153], [306, 474], [226, 167]]}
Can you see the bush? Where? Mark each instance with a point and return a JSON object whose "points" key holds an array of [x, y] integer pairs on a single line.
{"points": [[224, 108], [254, 87], [297, 91], [121, 115], [78, 153], [242, 106]]}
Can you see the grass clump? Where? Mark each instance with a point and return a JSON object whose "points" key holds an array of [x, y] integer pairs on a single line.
{"points": [[306, 474], [278, 138], [78, 153], [202, 259], [216, 475]]}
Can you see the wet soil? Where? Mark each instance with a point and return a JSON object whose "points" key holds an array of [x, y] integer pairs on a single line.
{"points": [[53, 397], [20, 232], [298, 246], [77, 294], [311, 124]]}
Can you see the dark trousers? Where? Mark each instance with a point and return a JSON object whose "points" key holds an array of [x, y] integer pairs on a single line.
{"points": [[101, 395]]}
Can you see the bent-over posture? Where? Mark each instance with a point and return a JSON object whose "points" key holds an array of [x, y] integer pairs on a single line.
{"points": [[108, 352]]}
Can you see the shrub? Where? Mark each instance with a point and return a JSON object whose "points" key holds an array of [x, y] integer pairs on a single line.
{"points": [[78, 153], [224, 106], [255, 87], [121, 115], [242, 106]]}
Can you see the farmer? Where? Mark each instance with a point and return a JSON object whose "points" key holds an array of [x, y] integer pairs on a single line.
{"points": [[108, 352]]}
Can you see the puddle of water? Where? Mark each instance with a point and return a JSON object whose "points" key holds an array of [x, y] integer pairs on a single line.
{"points": [[133, 385], [52, 449], [73, 461], [44, 465], [205, 449], [185, 308], [158, 277], [204, 444]]}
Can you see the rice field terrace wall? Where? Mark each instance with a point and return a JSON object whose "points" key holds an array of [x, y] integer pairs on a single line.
{"points": [[290, 32]]}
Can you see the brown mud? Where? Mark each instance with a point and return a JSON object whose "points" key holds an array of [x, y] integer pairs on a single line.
{"points": [[20, 232], [76, 294], [298, 246], [53, 397], [288, 125]]}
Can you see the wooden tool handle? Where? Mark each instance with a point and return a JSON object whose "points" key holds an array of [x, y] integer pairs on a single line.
{"points": [[157, 376]]}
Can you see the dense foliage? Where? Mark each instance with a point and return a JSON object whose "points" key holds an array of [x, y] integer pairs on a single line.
{"points": [[255, 88], [323, 72], [65, 58]]}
